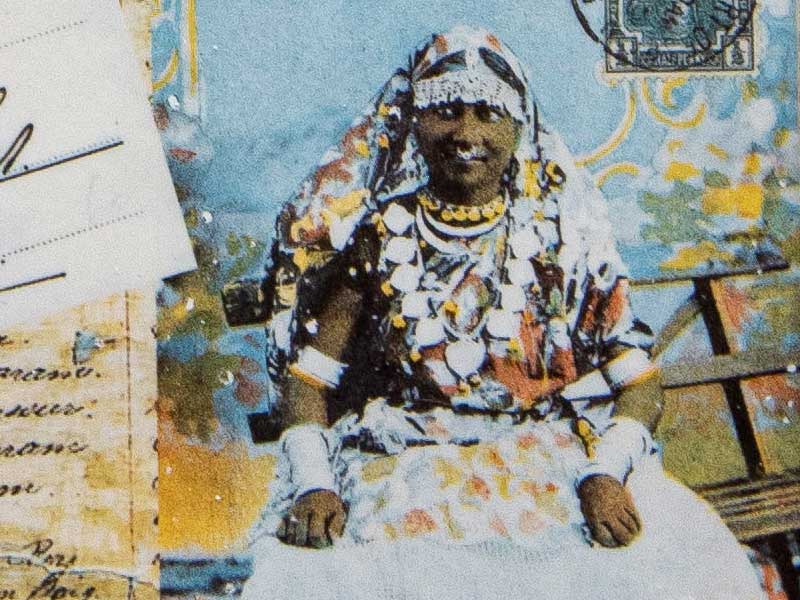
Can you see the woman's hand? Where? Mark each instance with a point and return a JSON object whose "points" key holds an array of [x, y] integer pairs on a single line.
{"points": [[610, 514], [316, 519]]}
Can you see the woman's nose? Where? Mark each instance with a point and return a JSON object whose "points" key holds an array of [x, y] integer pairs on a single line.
{"points": [[467, 131]]}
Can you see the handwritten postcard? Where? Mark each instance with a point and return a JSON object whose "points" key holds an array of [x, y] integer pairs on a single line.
{"points": [[78, 505], [87, 203]]}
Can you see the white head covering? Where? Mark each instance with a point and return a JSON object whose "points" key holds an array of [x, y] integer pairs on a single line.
{"points": [[378, 157]]}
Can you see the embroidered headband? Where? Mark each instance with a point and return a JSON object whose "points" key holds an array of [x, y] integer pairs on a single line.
{"points": [[471, 76]]}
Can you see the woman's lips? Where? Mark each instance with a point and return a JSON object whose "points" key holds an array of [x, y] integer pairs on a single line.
{"points": [[468, 154]]}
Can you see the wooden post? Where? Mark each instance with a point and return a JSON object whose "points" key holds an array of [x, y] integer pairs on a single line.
{"points": [[706, 292]]}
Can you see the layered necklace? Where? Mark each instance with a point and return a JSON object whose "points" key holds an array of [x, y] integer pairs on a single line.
{"points": [[456, 220]]}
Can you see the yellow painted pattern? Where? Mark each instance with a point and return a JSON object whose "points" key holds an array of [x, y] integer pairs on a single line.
{"points": [[680, 171], [624, 168], [502, 482], [689, 258], [390, 531], [450, 473], [169, 72], [191, 29], [659, 116], [300, 259], [674, 145], [669, 86], [619, 135], [342, 206], [209, 499], [717, 151], [744, 200], [752, 164], [362, 148], [531, 187], [378, 468]]}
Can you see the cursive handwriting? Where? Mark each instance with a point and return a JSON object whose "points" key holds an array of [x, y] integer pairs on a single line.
{"points": [[33, 448], [45, 374], [41, 410], [40, 552], [9, 158], [52, 588], [17, 489]]}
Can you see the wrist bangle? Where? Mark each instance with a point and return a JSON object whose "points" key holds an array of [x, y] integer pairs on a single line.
{"points": [[618, 450], [628, 367], [306, 450], [317, 369]]}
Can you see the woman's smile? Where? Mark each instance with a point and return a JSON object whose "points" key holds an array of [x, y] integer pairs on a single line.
{"points": [[470, 154], [467, 148]]}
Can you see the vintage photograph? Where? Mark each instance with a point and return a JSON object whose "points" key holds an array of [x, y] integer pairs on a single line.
{"points": [[504, 292], [478, 300]]}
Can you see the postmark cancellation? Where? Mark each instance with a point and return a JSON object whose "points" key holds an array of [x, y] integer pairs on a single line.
{"points": [[656, 36]]}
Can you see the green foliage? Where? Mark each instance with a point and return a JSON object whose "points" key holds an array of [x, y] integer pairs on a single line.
{"points": [[716, 179], [782, 221], [249, 251], [233, 244], [776, 301], [675, 215], [187, 388]]}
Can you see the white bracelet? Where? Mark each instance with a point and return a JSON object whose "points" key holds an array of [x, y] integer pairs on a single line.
{"points": [[620, 448], [316, 368], [306, 450], [627, 368]]}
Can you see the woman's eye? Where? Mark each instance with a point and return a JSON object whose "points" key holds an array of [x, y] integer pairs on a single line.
{"points": [[447, 113], [489, 114]]}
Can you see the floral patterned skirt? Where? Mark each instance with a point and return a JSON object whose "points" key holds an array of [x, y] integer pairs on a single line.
{"points": [[469, 478], [466, 506]]}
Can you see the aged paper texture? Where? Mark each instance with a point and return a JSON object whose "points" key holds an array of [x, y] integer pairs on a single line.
{"points": [[77, 454]]}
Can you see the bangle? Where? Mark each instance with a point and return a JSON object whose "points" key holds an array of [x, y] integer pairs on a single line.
{"points": [[618, 450], [317, 369], [628, 367], [306, 450]]}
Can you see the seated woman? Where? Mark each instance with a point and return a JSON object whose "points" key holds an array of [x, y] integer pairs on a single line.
{"points": [[453, 346]]}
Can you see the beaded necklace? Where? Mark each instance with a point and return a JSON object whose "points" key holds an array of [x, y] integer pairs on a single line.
{"points": [[458, 215]]}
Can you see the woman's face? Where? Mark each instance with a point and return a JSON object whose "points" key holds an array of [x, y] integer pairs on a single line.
{"points": [[467, 148]]}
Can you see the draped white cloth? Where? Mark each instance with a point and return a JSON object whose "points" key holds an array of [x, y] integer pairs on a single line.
{"points": [[684, 553]]}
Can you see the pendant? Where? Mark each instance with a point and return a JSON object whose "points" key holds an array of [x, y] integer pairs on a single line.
{"points": [[465, 357], [400, 250], [502, 324], [405, 278], [429, 332]]}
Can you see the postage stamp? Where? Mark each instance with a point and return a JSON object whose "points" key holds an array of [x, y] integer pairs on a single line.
{"points": [[647, 36]]}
